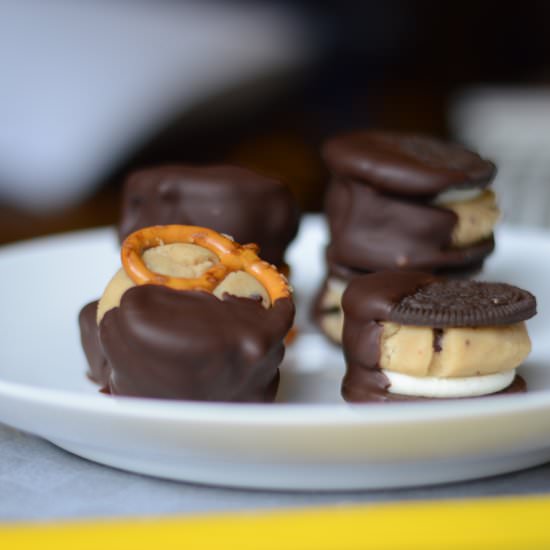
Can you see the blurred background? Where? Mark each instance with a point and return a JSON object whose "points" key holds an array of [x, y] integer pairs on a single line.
{"points": [[90, 89]]}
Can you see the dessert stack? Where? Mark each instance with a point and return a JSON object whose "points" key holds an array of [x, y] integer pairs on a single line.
{"points": [[402, 202]]}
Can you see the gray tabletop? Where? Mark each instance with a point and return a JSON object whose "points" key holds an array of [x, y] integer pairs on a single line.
{"points": [[38, 481]]}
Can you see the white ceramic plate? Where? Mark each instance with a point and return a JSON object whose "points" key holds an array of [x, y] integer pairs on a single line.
{"points": [[310, 439]]}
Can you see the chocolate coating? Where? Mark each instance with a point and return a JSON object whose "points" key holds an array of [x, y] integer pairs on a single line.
{"points": [[171, 344], [98, 369], [228, 199], [406, 164], [371, 231], [418, 299]]}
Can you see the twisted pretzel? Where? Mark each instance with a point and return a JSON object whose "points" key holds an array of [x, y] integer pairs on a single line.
{"points": [[232, 256]]}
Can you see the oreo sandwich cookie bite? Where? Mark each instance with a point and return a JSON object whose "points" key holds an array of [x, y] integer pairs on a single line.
{"points": [[229, 199], [411, 335], [401, 201], [190, 315]]}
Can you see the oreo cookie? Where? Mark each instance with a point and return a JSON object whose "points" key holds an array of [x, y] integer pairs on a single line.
{"points": [[465, 304], [406, 164], [421, 299]]}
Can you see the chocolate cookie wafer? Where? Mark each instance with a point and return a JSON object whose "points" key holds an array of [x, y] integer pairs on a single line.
{"points": [[412, 335], [406, 164]]}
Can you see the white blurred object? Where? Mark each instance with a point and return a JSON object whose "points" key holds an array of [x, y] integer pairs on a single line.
{"points": [[83, 83], [511, 126]]}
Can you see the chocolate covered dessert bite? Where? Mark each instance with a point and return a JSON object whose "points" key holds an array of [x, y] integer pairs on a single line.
{"points": [[190, 315], [229, 199], [400, 201], [412, 335], [407, 202]]}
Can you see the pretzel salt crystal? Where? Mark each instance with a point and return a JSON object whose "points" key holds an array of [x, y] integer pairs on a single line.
{"points": [[232, 256]]}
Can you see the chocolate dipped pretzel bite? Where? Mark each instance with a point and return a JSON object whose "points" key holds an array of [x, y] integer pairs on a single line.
{"points": [[190, 315]]}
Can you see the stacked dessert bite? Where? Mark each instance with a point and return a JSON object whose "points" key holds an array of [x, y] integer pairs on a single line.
{"points": [[402, 202]]}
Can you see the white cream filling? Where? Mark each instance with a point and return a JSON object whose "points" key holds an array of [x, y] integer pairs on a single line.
{"points": [[457, 195], [431, 386]]}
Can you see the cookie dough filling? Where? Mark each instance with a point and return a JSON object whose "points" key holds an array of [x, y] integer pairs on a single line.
{"points": [[331, 317], [187, 261], [453, 352], [477, 214]]}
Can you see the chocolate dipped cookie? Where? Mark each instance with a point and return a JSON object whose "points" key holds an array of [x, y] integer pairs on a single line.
{"points": [[405, 201], [229, 199], [412, 335], [190, 315]]}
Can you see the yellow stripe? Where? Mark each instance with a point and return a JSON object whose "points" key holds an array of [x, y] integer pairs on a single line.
{"points": [[519, 523]]}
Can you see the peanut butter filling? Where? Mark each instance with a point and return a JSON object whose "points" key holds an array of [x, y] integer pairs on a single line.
{"points": [[453, 352], [187, 261], [476, 218], [332, 323]]}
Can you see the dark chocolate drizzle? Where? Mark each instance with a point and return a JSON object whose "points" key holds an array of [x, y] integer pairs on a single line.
{"points": [[373, 297], [228, 199], [170, 344], [406, 164]]}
